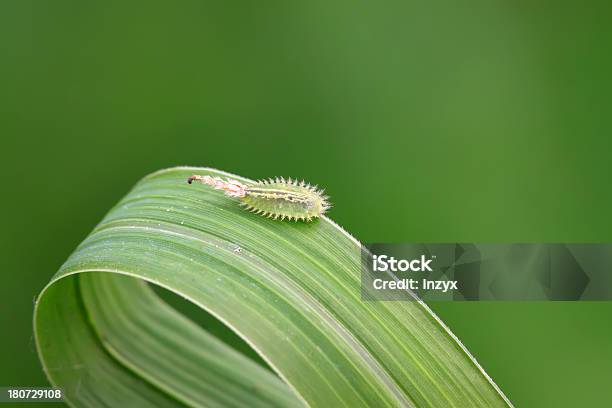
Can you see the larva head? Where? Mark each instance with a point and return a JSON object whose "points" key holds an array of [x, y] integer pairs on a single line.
{"points": [[231, 187]]}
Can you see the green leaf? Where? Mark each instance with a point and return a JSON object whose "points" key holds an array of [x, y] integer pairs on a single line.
{"points": [[290, 290]]}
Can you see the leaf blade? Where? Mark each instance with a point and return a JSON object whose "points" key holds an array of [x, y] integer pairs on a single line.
{"points": [[291, 290]]}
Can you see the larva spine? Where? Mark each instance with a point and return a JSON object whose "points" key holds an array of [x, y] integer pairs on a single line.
{"points": [[277, 198]]}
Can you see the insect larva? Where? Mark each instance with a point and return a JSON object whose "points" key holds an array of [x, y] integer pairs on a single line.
{"points": [[278, 198]]}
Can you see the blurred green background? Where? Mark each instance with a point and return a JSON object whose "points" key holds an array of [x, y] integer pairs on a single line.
{"points": [[443, 121]]}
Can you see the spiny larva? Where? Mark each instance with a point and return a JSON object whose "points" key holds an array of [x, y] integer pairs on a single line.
{"points": [[274, 198]]}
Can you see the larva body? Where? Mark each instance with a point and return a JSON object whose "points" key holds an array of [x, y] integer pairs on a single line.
{"points": [[278, 198]]}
